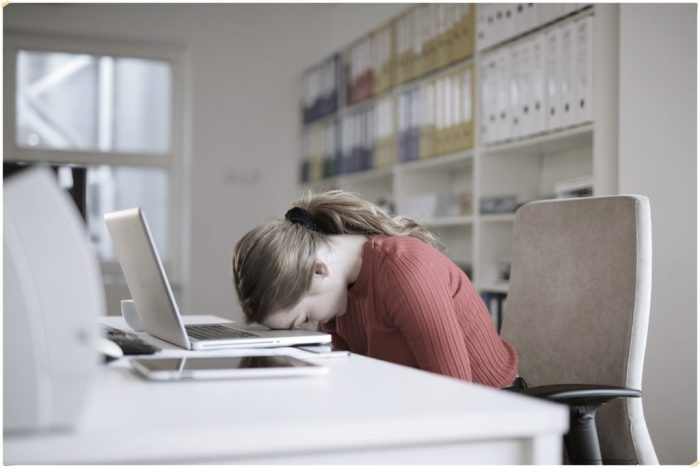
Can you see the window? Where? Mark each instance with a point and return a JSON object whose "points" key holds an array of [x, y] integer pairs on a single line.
{"points": [[95, 103], [115, 109]]}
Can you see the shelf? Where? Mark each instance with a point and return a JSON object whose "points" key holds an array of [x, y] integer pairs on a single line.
{"points": [[492, 287], [445, 161], [548, 143], [320, 120], [526, 167], [498, 218], [365, 176], [449, 221], [365, 103]]}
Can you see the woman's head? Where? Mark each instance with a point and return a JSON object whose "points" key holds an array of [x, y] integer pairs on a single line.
{"points": [[274, 265]]}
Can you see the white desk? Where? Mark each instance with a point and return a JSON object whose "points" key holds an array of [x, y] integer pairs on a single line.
{"points": [[363, 411]]}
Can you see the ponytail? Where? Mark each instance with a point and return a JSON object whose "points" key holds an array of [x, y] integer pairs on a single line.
{"points": [[339, 212], [273, 264]]}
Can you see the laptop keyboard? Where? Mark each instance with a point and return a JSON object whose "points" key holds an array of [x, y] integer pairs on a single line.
{"points": [[215, 332]]}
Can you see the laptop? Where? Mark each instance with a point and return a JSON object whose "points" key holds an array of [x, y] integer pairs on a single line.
{"points": [[155, 303]]}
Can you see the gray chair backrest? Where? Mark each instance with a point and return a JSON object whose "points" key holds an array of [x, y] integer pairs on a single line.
{"points": [[578, 306]]}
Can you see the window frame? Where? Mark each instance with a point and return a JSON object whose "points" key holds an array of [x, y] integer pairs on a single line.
{"points": [[174, 161]]}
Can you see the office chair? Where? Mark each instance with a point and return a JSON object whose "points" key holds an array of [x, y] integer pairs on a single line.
{"points": [[577, 312]]}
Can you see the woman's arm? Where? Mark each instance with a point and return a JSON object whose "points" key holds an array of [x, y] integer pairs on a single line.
{"points": [[419, 302], [336, 340]]}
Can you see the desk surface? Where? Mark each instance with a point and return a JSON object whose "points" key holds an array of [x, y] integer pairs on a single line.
{"points": [[362, 405]]}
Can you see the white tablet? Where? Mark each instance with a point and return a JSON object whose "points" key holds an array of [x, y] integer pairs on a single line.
{"points": [[199, 367]]}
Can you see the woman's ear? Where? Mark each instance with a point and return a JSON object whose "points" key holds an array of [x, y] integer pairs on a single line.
{"points": [[321, 268]]}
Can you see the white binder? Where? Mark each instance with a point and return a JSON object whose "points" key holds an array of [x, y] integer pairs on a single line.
{"points": [[485, 17], [467, 95], [503, 95], [538, 109], [515, 88], [488, 98], [567, 75], [519, 16], [525, 88], [568, 8], [508, 21], [552, 78], [439, 107], [499, 28], [584, 69], [456, 103], [529, 16], [449, 98], [548, 12], [369, 135]]}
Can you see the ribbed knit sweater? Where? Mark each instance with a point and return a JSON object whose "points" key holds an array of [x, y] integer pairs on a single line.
{"points": [[412, 305]]}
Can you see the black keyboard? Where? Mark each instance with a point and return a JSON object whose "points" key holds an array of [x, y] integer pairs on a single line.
{"points": [[215, 332], [130, 343]]}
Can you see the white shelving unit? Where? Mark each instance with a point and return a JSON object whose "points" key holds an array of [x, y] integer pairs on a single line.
{"points": [[526, 167]]}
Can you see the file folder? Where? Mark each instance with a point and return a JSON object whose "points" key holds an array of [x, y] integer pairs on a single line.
{"points": [[385, 134], [507, 21], [404, 36], [516, 91], [538, 105], [320, 85], [483, 26], [465, 131], [552, 57], [567, 96], [488, 99], [444, 19], [384, 57], [403, 126], [416, 42], [428, 119], [548, 12], [584, 70], [503, 125], [465, 38]]}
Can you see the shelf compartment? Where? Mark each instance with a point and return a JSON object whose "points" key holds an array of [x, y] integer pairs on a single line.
{"points": [[452, 221], [576, 137], [444, 162], [494, 253], [497, 218], [459, 242], [371, 176]]}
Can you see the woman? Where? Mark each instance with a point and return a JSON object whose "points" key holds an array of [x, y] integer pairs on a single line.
{"points": [[378, 284]]}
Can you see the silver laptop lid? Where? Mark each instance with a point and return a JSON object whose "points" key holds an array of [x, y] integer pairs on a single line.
{"points": [[145, 276]]}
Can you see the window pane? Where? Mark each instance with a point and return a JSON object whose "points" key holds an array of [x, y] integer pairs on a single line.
{"points": [[116, 188], [93, 103]]}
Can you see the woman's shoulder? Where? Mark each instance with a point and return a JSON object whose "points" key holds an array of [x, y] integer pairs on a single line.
{"points": [[401, 247]]}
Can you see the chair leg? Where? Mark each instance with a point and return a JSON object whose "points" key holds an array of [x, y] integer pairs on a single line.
{"points": [[582, 439]]}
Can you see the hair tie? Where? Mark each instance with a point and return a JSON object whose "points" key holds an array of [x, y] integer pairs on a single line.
{"points": [[298, 215]]}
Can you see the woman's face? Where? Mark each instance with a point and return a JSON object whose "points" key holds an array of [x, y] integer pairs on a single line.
{"points": [[327, 298]]}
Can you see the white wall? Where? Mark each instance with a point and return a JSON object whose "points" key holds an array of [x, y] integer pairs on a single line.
{"points": [[658, 158]]}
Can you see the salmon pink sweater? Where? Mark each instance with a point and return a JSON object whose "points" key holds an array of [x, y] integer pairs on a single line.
{"points": [[412, 305]]}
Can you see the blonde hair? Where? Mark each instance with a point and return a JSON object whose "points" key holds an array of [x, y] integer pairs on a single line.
{"points": [[273, 264]]}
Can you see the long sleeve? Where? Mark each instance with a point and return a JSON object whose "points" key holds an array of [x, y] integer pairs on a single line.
{"points": [[412, 305], [336, 340], [418, 301]]}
